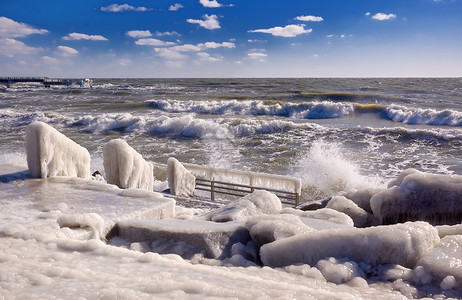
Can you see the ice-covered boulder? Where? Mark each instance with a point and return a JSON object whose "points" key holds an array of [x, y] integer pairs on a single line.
{"points": [[125, 167], [180, 181], [415, 196], [265, 229], [186, 237], [362, 197], [402, 244], [51, 153], [445, 259], [257, 203], [340, 203]]}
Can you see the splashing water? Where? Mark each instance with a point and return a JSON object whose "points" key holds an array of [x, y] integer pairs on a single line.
{"points": [[325, 171]]}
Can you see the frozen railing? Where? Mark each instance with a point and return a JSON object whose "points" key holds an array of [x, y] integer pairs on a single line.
{"points": [[239, 183]]}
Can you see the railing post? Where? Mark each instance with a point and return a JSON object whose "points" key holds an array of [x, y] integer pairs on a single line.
{"points": [[212, 190]]}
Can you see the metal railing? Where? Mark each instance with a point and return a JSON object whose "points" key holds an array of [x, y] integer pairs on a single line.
{"points": [[241, 190]]}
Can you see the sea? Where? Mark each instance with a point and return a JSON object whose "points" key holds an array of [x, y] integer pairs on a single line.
{"points": [[336, 134]]}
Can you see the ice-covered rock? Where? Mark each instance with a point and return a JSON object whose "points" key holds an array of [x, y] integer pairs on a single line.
{"points": [[186, 237], [324, 214], [51, 153], [257, 203], [340, 203], [445, 259], [125, 167], [402, 244], [265, 229], [180, 181], [417, 196], [362, 197]]}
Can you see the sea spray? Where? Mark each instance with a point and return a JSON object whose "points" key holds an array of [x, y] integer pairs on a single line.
{"points": [[325, 171]]}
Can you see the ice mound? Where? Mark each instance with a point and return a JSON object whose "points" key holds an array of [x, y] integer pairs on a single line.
{"points": [[180, 181], [324, 214], [257, 203], [50, 153], [269, 228], [185, 237], [360, 216], [125, 167], [402, 244], [445, 259], [417, 196]]}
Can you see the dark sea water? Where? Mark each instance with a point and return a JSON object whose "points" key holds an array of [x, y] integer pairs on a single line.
{"points": [[335, 134]]}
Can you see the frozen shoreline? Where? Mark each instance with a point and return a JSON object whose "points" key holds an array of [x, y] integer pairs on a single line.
{"points": [[40, 259]]}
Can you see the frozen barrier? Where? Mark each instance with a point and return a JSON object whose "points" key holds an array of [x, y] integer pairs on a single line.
{"points": [[125, 167], [51, 153], [418, 196], [402, 244], [239, 183]]}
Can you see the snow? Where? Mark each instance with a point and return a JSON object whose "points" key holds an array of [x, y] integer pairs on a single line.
{"points": [[420, 196], [401, 244], [180, 181], [125, 167], [340, 203], [50, 153]]}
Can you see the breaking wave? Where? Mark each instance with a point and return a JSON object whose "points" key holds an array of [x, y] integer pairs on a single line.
{"points": [[420, 116], [305, 110]]}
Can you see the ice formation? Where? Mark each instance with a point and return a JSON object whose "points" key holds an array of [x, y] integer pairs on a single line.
{"points": [[185, 237], [180, 181], [257, 203], [402, 244], [445, 259], [340, 203], [420, 196], [277, 182], [50, 153], [125, 167]]}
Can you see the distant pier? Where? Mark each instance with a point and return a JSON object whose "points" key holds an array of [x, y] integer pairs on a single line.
{"points": [[46, 81]]}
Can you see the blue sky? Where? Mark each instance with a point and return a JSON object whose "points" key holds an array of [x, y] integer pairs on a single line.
{"points": [[231, 38]]}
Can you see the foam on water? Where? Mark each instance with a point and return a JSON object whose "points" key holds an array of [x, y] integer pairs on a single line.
{"points": [[448, 117]]}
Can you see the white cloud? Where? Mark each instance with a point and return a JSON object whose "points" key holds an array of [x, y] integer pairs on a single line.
{"points": [[368, 14], [208, 22], [139, 33], [169, 54], [330, 35], [309, 18], [214, 45], [383, 17], [186, 48], [66, 51], [124, 7], [207, 57], [81, 36], [153, 42], [50, 60], [257, 56], [11, 29], [210, 3], [12, 48], [287, 31], [175, 7], [168, 33]]}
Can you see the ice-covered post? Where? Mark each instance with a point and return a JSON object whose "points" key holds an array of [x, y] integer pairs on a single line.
{"points": [[125, 167], [51, 153], [180, 181]]}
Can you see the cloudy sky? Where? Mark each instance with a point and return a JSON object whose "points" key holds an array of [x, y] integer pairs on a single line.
{"points": [[231, 38]]}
